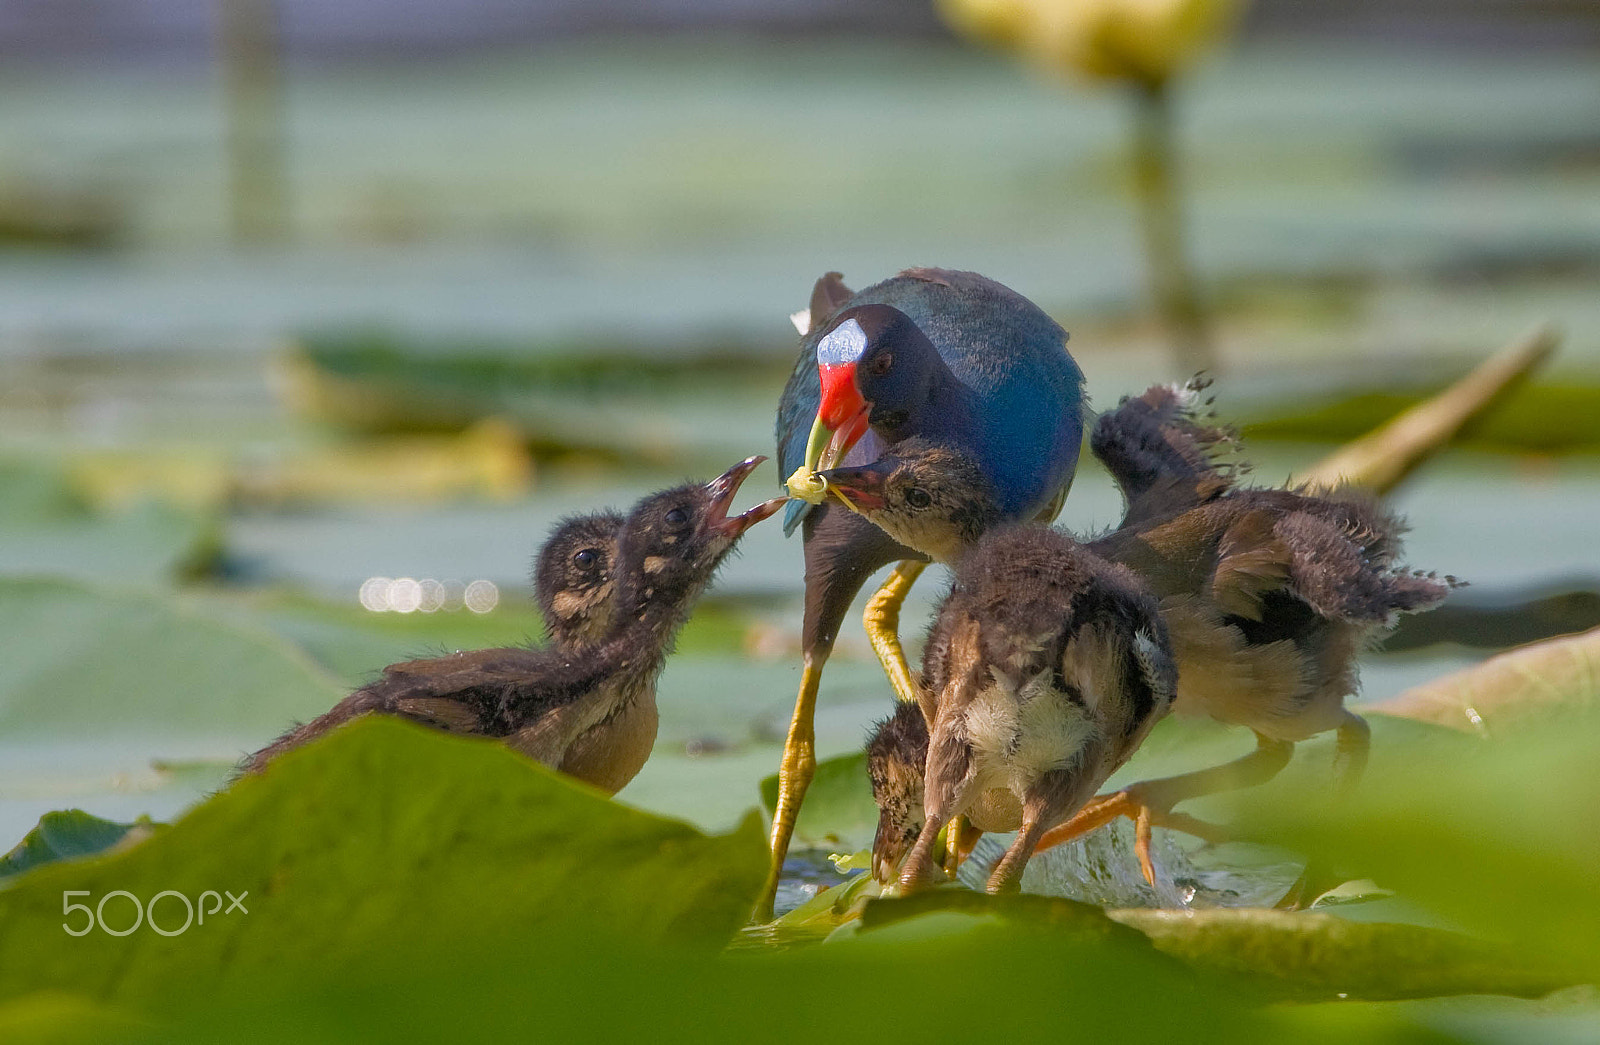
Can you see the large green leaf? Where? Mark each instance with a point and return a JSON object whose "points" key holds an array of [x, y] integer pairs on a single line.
{"points": [[1322, 956], [1083, 977], [58, 1018], [1496, 836], [382, 837]]}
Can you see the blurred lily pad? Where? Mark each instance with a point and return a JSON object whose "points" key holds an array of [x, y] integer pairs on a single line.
{"points": [[486, 459], [1495, 836], [355, 643], [381, 836], [85, 662], [562, 399], [1277, 953], [63, 835], [1555, 677], [48, 529], [1544, 418], [1321, 956]]}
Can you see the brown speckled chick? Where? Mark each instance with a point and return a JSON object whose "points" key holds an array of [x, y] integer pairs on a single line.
{"points": [[897, 752], [1268, 594], [586, 707], [1045, 668], [573, 578]]}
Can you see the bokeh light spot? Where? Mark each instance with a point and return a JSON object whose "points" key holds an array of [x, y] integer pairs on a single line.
{"points": [[481, 596]]}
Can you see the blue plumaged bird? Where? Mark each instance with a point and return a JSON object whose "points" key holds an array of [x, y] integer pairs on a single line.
{"points": [[950, 356]]}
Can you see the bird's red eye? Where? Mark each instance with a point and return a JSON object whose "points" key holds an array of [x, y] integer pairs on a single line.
{"points": [[880, 364]]}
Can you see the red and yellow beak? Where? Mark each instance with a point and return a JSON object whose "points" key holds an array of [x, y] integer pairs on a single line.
{"points": [[841, 417]]}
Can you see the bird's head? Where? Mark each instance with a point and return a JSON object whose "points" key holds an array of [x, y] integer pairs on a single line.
{"points": [[926, 495], [673, 541], [875, 366], [573, 579], [896, 754]]}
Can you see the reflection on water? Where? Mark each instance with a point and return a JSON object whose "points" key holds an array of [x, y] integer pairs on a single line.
{"points": [[1101, 868]]}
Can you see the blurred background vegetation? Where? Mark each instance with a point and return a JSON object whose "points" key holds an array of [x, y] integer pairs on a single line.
{"points": [[298, 299]]}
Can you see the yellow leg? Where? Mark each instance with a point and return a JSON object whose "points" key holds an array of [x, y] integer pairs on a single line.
{"points": [[799, 765], [882, 621]]}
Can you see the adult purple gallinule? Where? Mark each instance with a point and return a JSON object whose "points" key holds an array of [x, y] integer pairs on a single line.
{"points": [[1045, 668], [945, 354], [586, 707], [1268, 594]]}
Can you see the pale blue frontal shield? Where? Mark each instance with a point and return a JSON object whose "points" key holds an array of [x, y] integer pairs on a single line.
{"points": [[843, 344]]}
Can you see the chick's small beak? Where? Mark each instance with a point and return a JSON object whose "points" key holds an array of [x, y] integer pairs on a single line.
{"points": [[861, 489], [724, 488], [842, 414], [889, 848]]}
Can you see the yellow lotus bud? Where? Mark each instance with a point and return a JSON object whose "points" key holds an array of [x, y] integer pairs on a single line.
{"points": [[1000, 23], [1146, 41]]}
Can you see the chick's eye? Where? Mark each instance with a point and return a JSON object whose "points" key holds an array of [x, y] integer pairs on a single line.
{"points": [[917, 497], [677, 517], [880, 364], [586, 558]]}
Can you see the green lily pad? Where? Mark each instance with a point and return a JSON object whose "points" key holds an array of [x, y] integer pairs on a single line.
{"points": [[84, 662], [1495, 836], [64, 835], [1310, 956], [1530, 683], [355, 643], [382, 836], [561, 399], [47, 530], [892, 980]]}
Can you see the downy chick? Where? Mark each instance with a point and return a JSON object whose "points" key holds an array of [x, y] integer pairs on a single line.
{"points": [[573, 578], [1045, 668], [587, 707]]}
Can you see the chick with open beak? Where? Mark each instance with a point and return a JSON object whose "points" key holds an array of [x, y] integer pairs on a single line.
{"points": [[586, 707]]}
